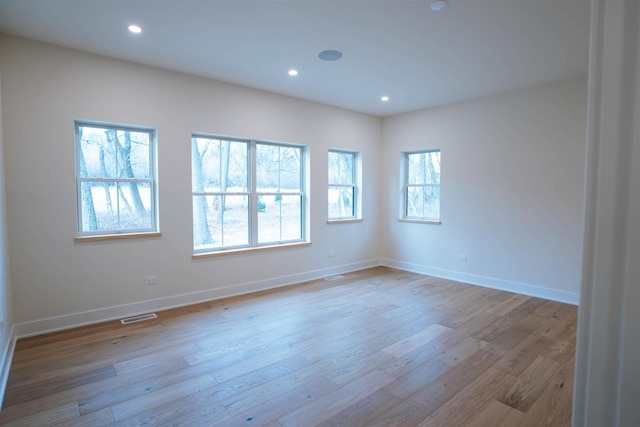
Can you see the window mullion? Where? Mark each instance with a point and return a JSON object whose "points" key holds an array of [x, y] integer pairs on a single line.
{"points": [[253, 199]]}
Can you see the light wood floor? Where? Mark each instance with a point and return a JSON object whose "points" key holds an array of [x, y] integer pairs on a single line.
{"points": [[379, 347]]}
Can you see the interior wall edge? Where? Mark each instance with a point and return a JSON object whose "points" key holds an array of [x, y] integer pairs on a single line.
{"points": [[487, 282]]}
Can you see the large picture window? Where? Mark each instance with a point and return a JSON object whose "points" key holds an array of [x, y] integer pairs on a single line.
{"points": [[116, 179], [422, 186], [245, 193]]}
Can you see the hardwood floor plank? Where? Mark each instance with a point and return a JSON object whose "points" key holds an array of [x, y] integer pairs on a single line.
{"points": [[416, 379], [100, 418], [26, 391], [416, 340], [330, 404], [496, 414], [420, 404], [553, 407], [508, 305], [160, 397], [457, 353], [470, 400], [364, 412], [308, 390], [530, 384], [48, 418], [287, 374], [191, 409]]}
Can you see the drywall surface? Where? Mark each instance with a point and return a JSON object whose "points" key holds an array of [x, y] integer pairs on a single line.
{"points": [[45, 88], [512, 190]]}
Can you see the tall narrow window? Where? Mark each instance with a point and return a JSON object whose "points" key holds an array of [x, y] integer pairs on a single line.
{"points": [[116, 179], [342, 185], [245, 193], [422, 186]]}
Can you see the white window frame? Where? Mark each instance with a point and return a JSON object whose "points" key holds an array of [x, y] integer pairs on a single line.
{"points": [[405, 189], [355, 185], [254, 195], [152, 181]]}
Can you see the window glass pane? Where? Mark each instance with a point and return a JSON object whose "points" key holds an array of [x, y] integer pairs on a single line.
{"points": [[424, 202], [233, 214], [218, 166], [278, 168], [97, 158], [341, 202], [424, 168], [341, 168], [203, 211], [99, 206], [134, 200], [220, 221], [279, 218], [112, 206], [133, 154]]}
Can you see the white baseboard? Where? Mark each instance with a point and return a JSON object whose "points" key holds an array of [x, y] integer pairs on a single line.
{"points": [[68, 321], [487, 282], [7, 358]]}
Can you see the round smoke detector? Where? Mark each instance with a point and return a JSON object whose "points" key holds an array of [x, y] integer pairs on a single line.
{"points": [[330, 55]]}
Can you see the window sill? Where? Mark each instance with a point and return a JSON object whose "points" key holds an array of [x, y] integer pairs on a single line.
{"points": [[420, 221], [342, 221], [249, 250], [123, 236]]}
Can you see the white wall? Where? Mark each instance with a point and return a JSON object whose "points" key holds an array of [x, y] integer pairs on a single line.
{"points": [[44, 88], [6, 312], [511, 192]]}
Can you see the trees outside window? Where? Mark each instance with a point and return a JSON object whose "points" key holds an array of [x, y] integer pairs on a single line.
{"points": [[342, 185], [422, 185], [116, 180], [245, 193]]}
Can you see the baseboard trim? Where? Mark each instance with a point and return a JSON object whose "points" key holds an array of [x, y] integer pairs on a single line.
{"points": [[487, 282], [6, 363], [68, 321]]}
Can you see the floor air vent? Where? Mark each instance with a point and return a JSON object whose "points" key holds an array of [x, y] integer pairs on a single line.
{"points": [[140, 318], [332, 278]]}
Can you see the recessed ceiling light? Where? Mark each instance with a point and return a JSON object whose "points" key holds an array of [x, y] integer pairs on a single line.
{"points": [[438, 5], [330, 55], [384, 98], [293, 72], [135, 29]]}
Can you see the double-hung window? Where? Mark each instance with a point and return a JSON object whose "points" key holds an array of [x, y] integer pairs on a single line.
{"points": [[422, 186], [245, 193], [115, 179], [343, 194]]}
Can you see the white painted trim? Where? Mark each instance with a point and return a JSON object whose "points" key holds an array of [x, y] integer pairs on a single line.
{"points": [[7, 358], [52, 324], [607, 379], [487, 282]]}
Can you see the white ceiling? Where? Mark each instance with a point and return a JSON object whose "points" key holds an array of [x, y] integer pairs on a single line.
{"points": [[400, 48]]}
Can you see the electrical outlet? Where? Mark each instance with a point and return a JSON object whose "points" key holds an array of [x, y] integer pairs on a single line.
{"points": [[331, 254], [150, 280], [462, 258]]}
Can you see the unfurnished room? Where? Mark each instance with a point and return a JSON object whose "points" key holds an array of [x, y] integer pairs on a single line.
{"points": [[320, 212]]}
